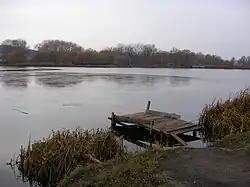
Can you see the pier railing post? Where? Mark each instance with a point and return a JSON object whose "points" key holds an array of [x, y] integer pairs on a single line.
{"points": [[148, 106]]}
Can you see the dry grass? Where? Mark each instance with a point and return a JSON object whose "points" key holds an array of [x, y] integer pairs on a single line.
{"points": [[234, 142], [226, 117], [47, 161], [136, 169]]}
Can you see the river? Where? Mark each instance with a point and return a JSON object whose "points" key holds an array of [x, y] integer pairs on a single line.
{"points": [[32, 103]]}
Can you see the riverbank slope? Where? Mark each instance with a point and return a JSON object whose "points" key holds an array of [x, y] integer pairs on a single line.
{"points": [[224, 164]]}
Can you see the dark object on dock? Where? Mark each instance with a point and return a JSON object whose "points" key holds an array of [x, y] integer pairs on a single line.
{"points": [[152, 126]]}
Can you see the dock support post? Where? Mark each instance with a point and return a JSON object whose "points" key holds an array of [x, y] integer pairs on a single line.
{"points": [[113, 122], [151, 133], [195, 133], [148, 106]]}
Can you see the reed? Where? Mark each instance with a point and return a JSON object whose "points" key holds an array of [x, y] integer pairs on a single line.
{"points": [[47, 161], [226, 117]]}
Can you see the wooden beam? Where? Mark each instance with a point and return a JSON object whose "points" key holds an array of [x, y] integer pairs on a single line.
{"points": [[138, 143], [122, 124], [188, 138], [179, 139]]}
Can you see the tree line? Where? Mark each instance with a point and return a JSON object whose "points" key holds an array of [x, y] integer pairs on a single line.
{"points": [[64, 53]]}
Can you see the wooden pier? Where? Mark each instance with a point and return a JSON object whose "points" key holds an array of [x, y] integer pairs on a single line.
{"points": [[154, 127]]}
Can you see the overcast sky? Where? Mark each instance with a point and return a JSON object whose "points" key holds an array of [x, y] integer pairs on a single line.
{"points": [[220, 27]]}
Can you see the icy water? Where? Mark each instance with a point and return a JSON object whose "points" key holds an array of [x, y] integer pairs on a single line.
{"points": [[35, 102]]}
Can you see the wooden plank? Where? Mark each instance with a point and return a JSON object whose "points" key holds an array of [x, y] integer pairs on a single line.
{"points": [[173, 125], [150, 117], [144, 115], [134, 115], [181, 124], [163, 120], [186, 125], [139, 115], [126, 119], [184, 130], [179, 139], [169, 122], [165, 126], [164, 114]]}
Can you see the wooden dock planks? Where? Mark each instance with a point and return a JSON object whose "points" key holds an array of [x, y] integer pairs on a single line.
{"points": [[169, 124], [161, 123]]}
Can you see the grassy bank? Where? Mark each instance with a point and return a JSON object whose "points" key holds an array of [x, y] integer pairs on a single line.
{"points": [[138, 169], [211, 166], [235, 142], [171, 168]]}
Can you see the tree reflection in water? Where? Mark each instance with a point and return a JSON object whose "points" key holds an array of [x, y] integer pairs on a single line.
{"points": [[58, 79], [144, 79], [65, 79], [15, 79]]}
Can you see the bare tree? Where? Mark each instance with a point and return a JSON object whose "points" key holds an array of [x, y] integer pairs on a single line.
{"points": [[18, 43], [58, 46]]}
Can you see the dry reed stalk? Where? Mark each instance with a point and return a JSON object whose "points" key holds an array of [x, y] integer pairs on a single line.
{"points": [[47, 161], [226, 117]]}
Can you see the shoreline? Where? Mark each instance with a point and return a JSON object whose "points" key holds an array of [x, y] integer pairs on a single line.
{"points": [[56, 67]]}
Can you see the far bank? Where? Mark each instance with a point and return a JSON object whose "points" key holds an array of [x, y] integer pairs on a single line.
{"points": [[24, 65]]}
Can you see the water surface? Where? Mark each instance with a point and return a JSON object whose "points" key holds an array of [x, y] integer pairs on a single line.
{"points": [[35, 102]]}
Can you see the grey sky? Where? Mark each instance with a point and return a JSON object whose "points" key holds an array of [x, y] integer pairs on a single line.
{"points": [[220, 27]]}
